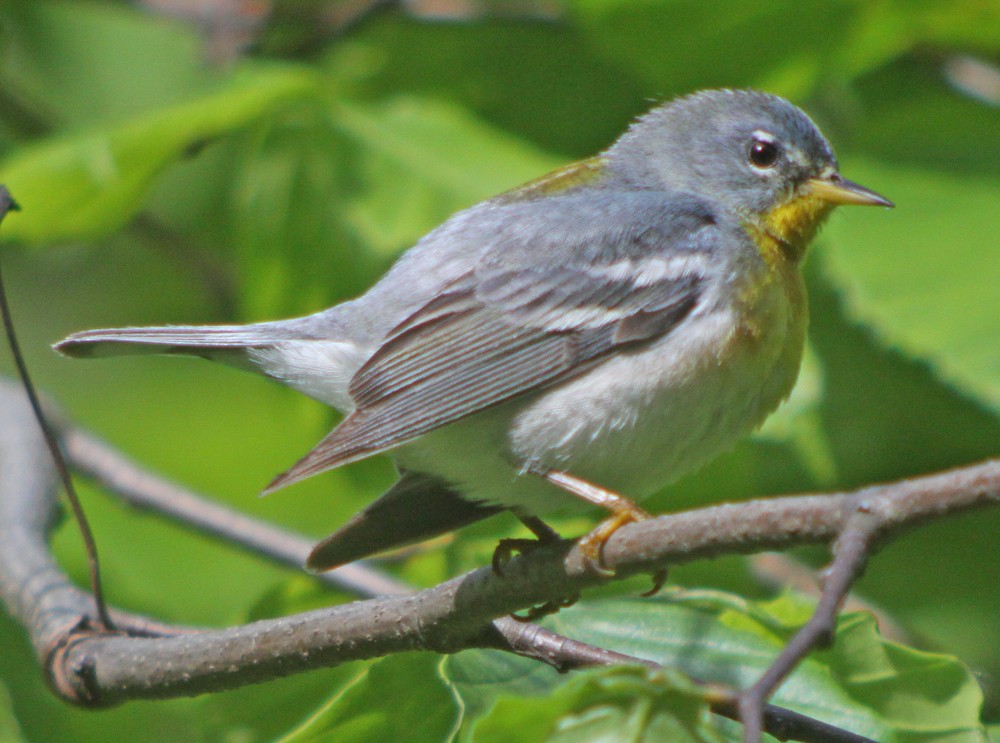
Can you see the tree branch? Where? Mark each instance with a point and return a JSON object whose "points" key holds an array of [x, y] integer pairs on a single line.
{"points": [[97, 669], [143, 489]]}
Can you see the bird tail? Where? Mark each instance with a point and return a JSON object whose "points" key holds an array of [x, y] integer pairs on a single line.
{"points": [[416, 508], [196, 340]]}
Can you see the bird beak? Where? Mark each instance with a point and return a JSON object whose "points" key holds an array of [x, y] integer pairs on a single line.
{"points": [[837, 190]]}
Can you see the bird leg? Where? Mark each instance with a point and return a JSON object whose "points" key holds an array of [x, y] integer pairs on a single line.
{"points": [[623, 511]]}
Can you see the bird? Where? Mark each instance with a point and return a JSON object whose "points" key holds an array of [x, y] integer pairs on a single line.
{"points": [[581, 340]]}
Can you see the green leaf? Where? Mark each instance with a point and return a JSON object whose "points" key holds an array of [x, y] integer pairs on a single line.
{"points": [[287, 209], [925, 276], [88, 184], [921, 694], [480, 677], [722, 638], [680, 45], [78, 63], [358, 180], [899, 695], [668, 43], [607, 704], [10, 731], [544, 82], [422, 160], [398, 698], [889, 124]]}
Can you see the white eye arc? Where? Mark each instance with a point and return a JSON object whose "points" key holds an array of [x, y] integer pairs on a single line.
{"points": [[764, 151]]}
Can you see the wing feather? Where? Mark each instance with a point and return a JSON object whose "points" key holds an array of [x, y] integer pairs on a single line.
{"points": [[523, 319], [433, 374]]}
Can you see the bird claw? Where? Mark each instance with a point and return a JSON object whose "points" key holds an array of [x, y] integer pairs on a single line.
{"points": [[591, 548], [592, 544], [507, 548], [548, 608], [659, 578], [593, 559]]}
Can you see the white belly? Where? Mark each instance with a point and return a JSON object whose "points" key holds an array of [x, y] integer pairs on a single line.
{"points": [[632, 424]]}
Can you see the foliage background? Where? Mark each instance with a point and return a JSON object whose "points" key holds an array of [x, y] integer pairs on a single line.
{"points": [[159, 188]]}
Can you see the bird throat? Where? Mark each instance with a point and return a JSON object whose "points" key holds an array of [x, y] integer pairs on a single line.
{"points": [[786, 231]]}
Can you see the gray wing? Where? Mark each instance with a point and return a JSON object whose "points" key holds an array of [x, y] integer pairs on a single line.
{"points": [[511, 327]]}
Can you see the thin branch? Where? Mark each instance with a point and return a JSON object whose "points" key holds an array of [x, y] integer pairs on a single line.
{"points": [[8, 204], [140, 488], [851, 552]]}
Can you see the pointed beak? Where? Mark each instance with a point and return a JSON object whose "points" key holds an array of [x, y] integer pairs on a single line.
{"points": [[836, 189]]}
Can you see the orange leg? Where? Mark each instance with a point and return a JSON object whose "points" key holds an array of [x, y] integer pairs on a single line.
{"points": [[623, 511]]}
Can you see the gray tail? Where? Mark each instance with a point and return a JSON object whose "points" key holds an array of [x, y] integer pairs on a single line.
{"points": [[416, 508], [197, 340]]}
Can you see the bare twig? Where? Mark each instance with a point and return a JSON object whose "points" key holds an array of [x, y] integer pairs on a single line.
{"points": [[8, 204], [142, 489], [851, 551]]}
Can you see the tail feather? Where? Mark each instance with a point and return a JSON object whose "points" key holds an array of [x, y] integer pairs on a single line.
{"points": [[416, 508], [193, 339]]}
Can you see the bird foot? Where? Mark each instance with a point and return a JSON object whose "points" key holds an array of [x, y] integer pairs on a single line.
{"points": [[507, 548], [623, 512], [548, 608], [592, 544]]}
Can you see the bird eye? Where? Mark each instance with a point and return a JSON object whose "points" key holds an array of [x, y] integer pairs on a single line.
{"points": [[763, 153]]}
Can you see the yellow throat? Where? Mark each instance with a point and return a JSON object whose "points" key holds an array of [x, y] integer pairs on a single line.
{"points": [[785, 231]]}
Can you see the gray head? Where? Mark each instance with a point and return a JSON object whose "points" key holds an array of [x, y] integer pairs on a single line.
{"points": [[747, 150]]}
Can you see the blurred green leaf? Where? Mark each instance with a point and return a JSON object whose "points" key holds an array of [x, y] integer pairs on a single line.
{"points": [[925, 277], [920, 694], [527, 78], [751, 43], [607, 704], [344, 192], [288, 191], [423, 160], [85, 185], [899, 695], [10, 731], [788, 47], [81, 63], [888, 115], [962, 23], [397, 698]]}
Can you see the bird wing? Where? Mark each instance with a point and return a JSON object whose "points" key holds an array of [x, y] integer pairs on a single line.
{"points": [[509, 327]]}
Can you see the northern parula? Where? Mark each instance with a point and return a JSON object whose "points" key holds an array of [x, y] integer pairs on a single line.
{"points": [[587, 337]]}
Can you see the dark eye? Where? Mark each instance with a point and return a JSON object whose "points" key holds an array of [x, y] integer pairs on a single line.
{"points": [[763, 153]]}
